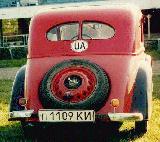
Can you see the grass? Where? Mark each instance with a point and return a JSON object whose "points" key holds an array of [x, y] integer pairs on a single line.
{"points": [[8, 130], [12, 132], [155, 54], [20, 62], [12, 63]]}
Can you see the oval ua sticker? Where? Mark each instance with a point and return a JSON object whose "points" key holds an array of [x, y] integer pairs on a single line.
{"points": [[79, 45]]}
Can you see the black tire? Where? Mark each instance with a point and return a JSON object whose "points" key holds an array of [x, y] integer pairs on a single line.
{"points": [[18, 90], [115, 125], [30, 130], [94, 102], [141, 126], [111, 127], [37, 131]]}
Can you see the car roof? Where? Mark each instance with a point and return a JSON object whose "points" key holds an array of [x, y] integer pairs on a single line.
{"points": [[78, 6], [117, 15]]}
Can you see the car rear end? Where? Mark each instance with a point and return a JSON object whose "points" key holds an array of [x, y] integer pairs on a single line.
{"points": [[75, 73]]}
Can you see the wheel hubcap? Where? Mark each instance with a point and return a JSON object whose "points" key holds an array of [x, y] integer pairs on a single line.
{"points": [[73, 84]]}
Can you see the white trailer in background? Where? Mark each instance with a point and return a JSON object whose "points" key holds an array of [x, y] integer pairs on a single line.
{"points": [[28, 2], [25, 11]]}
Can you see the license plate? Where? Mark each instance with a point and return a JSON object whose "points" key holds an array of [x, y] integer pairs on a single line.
{"points": [[66, 115]]}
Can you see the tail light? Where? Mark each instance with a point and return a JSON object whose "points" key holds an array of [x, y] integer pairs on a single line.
{"points": [[22, 101]]}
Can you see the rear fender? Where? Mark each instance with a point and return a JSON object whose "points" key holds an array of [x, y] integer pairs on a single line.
{"points": [[18, 89], [142, 95]]}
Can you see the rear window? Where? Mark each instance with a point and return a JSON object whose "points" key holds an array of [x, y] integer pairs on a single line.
{"points": [[95, 30], [90, 30], [67, 31]]}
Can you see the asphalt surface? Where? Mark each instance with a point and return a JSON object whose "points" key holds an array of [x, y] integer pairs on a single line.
{"points": [[9, 73], [156, 67]]}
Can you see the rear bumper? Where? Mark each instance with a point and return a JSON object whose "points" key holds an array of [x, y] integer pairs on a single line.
{"points": [[19, 115], [29, 114], [125, 116]]}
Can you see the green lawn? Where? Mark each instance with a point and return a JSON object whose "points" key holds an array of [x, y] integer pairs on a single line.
{"points": [[155, 54], [12, 132], [20, 62], [12, 63]]}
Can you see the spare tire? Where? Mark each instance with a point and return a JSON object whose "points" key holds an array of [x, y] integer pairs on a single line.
{"points": [[74, 84]]}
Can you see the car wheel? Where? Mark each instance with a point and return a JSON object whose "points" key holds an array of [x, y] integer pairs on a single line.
{"points": [[27, 130], [141, 126], [74, 84], [30, 129], [114, 126], [110, 127]]}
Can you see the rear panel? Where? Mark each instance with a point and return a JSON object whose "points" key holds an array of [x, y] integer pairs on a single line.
{"points": [[120, 69]]}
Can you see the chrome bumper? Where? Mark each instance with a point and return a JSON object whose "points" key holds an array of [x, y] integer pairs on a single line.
{"points": [[20, 114], [125, 116], [16, 115]]}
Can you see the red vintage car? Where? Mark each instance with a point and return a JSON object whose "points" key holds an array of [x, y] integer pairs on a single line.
{"points": [[86, 63]]}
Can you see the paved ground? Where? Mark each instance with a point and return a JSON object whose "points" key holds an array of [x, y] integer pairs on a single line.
{"points": [[156, 67], [9, 73]]}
